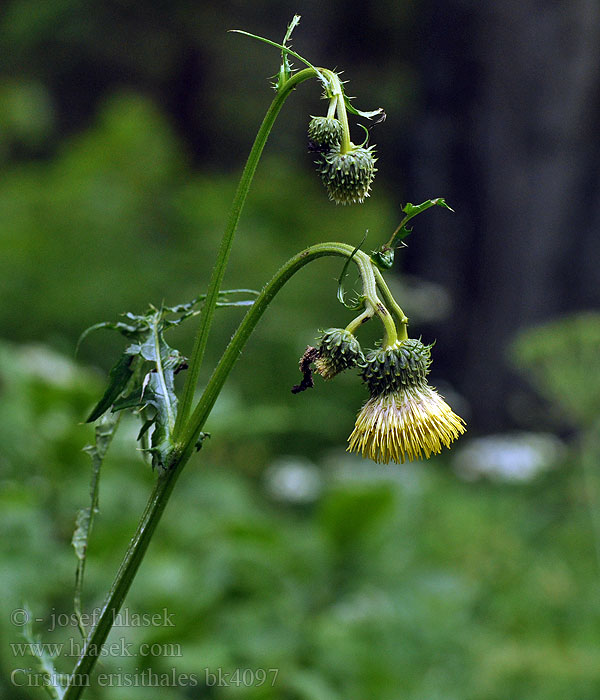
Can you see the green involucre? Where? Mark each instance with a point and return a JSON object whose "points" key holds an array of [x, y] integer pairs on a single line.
{"points": [[397, 367], [348, 176], [338, 350], [324, 134]]}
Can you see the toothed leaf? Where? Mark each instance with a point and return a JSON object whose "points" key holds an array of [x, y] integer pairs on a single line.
{"points": [[384, 257], [119, 375]]}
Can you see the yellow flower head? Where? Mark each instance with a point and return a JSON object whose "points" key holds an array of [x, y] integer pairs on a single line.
{"points": [[405, 418], [408, 424]]}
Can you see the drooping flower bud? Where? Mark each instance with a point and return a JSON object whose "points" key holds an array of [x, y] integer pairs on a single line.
{"points": [[348, 176], [338, 350], [324, 134], [405, 418]]}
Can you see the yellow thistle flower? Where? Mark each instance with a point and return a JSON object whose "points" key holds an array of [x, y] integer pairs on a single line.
{"points": [[409, 423]]}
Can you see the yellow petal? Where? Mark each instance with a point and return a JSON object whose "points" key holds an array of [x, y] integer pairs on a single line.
{"points": [[409, 424]]}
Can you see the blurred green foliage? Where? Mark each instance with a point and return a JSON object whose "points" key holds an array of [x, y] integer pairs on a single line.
{"points": [[384, 582], [562, 359]]}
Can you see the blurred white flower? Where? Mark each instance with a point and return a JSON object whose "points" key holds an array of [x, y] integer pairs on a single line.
{"points": [[293, 479], [515, 457]]}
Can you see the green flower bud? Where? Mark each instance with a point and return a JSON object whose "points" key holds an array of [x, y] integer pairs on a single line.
{"points": [[401, 366], [338, 350], [324, 134], [348, 176]]}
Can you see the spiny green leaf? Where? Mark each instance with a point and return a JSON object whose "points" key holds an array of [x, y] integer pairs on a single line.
{"points": [[119, 375], [413, 209], [193, 308], [159, 393], [147, 332], [384, 257], [285, 71], [158, 388], [104, 434], [144, 377], [285, 50], [379, 113], [137, 325], [291, 26]]}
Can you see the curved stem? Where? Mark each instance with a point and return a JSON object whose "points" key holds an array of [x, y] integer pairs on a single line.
{"points": [[392, 304], [226, 243], [237, 342], [372, 301], [80, 677], [336, 95], [342, 115], [356, 323]]}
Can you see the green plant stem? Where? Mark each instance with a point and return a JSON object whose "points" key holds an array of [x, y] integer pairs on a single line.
{"points": [[342, 115], [159, 497], [356, 323], [332, 108], [226, 243], [392, 304], [232, 352], [80, 677]]}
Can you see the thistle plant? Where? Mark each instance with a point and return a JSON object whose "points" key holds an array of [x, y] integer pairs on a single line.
{"points": [[404, 417]]}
